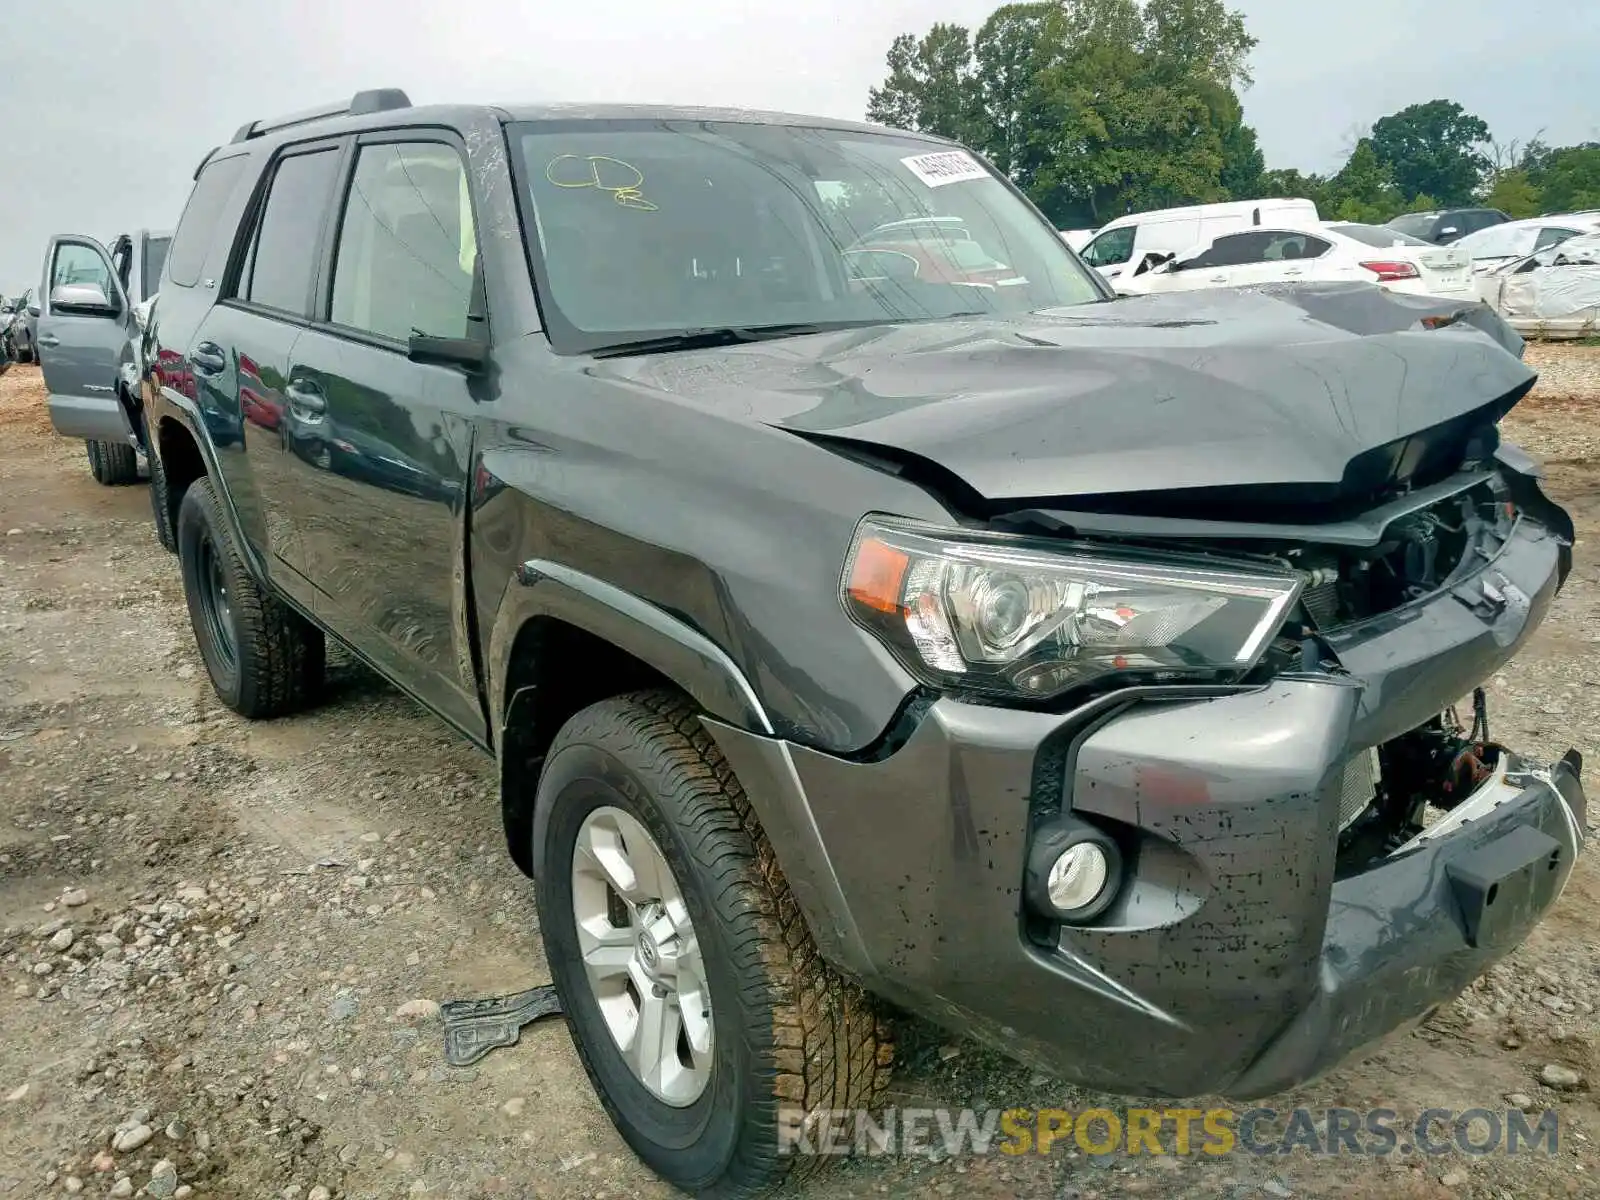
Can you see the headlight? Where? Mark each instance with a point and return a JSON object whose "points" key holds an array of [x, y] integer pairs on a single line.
{"points": [[1026, 618]]}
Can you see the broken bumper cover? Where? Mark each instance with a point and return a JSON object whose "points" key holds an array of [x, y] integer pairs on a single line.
{"points": [[1233, 960]]}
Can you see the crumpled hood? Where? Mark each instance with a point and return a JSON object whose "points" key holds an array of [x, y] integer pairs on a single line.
{"points": [[1223, 388]]}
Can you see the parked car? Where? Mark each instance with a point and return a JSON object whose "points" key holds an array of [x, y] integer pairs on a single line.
{"points": [[23, 326], [91, 325], [1554, 293], [1336, 251], [1500, 244], [1122, 246], [1442, 227], [1074, 674]]}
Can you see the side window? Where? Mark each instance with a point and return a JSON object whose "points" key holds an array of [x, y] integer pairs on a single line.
{"points": [[407, 247], [200, 217], [1550, 235], [77, 263], [1281, 246], [1111, 248], [283, 252], [155, 255], [1233, 250]]}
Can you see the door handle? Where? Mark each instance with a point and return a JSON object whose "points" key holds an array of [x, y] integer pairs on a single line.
{"points": [[1218, 279], [49, 339], [306, 398], [1294, 271], [208, 359]]}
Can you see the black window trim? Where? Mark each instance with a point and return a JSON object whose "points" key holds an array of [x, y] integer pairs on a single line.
{"points": [[250, 228], [322, 297]]}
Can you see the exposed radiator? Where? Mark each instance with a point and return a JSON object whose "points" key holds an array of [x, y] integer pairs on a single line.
{"points": [[1358, 787]]}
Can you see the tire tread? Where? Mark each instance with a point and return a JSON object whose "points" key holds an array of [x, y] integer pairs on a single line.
{"points": [[827, 1046]]}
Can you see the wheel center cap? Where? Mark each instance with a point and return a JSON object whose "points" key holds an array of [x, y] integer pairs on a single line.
{"points": [[649, 955]]}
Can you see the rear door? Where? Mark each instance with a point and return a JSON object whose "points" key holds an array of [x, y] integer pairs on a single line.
{"points": [[83, 331], [240, 357], [1216, 264], [381, 488]]}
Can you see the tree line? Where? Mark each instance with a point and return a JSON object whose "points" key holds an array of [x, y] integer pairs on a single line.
{"points": [[1097, 108]]}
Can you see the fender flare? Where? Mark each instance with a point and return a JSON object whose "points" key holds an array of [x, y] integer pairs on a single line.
{"points": [[682, 654], [731, 711], [187, 414]]}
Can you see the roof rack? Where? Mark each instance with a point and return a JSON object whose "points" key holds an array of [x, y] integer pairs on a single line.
{"points": [[373, 101]]}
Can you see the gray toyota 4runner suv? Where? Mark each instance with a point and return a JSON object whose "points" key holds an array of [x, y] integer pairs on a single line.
{"points": [[861, 603]]}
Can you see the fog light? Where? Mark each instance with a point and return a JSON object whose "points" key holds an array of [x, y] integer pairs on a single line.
{"points": [[1077, 878], [1074, 871]]}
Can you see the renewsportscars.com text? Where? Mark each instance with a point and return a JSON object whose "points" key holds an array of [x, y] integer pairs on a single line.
{"points": [[1377, 1132]]}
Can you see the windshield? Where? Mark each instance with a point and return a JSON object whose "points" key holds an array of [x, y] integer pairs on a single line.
{"points": [[646, 229], [1381, 236]]}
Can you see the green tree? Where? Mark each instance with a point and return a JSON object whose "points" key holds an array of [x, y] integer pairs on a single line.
{"points": [[1434, 148], [1513, 193], [1094, 107], [929, 87], [1570, 179], [1198, 39], [1364, 190]]}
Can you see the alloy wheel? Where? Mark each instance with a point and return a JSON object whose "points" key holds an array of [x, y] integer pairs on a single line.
{"points": [[641, 957]]}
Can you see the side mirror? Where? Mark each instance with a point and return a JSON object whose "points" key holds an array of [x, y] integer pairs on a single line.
{"points": [[33, 310], [1449, 231], [88, 299], [469, 354]]}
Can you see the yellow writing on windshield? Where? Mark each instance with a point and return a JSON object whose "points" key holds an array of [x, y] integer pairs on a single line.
{"points": [[622, 179]]}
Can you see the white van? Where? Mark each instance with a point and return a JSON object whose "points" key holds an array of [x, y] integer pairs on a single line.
{"points": [[1121, 245]]}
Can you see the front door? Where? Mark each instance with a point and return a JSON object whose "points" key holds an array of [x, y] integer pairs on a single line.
{"points": [[85, 326], [389, 441]]}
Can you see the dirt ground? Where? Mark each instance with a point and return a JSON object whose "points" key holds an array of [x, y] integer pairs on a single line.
{"points": [[214, 935]]}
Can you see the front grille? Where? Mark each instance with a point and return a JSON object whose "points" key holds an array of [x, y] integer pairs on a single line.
{"points": [[1357, 787]]}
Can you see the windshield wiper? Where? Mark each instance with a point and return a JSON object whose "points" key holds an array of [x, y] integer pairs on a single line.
{"points": [[704, 339]]}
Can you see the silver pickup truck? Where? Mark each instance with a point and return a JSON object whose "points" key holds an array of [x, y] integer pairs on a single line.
{"points": [[93, 304]]}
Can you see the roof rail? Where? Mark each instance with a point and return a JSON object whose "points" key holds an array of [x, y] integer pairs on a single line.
{"points": [[373, 101]]}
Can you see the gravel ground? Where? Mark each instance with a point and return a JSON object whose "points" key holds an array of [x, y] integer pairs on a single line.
{"points": [[222, 944]]}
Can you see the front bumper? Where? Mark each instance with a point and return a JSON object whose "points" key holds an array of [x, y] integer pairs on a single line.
{"points": [[1233, 960]]}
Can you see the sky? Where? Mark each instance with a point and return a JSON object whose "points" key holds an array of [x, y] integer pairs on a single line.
{"points": [[110, 104]]}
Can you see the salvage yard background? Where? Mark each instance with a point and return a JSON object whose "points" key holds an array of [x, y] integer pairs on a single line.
{"points": [[220, 943]]}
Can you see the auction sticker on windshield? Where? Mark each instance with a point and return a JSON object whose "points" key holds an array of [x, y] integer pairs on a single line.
{"points": [[946, 166]]}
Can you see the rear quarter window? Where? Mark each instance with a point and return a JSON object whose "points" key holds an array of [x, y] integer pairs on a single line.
{"points": [[198, 225]]}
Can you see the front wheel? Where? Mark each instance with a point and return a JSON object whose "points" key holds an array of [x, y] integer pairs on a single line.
{"points": [[264, 659], [699, 1006]]}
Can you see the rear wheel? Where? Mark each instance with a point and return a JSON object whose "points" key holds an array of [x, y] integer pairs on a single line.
{"points": [[113, 463], [264, 659], [695, 995]]}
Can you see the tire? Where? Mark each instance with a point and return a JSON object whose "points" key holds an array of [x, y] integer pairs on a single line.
{"points": [[113, 463], [264, 659], [786, 1032], [160, 503]]}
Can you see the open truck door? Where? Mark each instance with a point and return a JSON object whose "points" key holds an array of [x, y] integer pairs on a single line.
{"points": [[87, 329]]}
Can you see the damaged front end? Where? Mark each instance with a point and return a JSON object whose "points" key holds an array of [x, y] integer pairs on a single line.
{"points": [[1213, 821]]}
